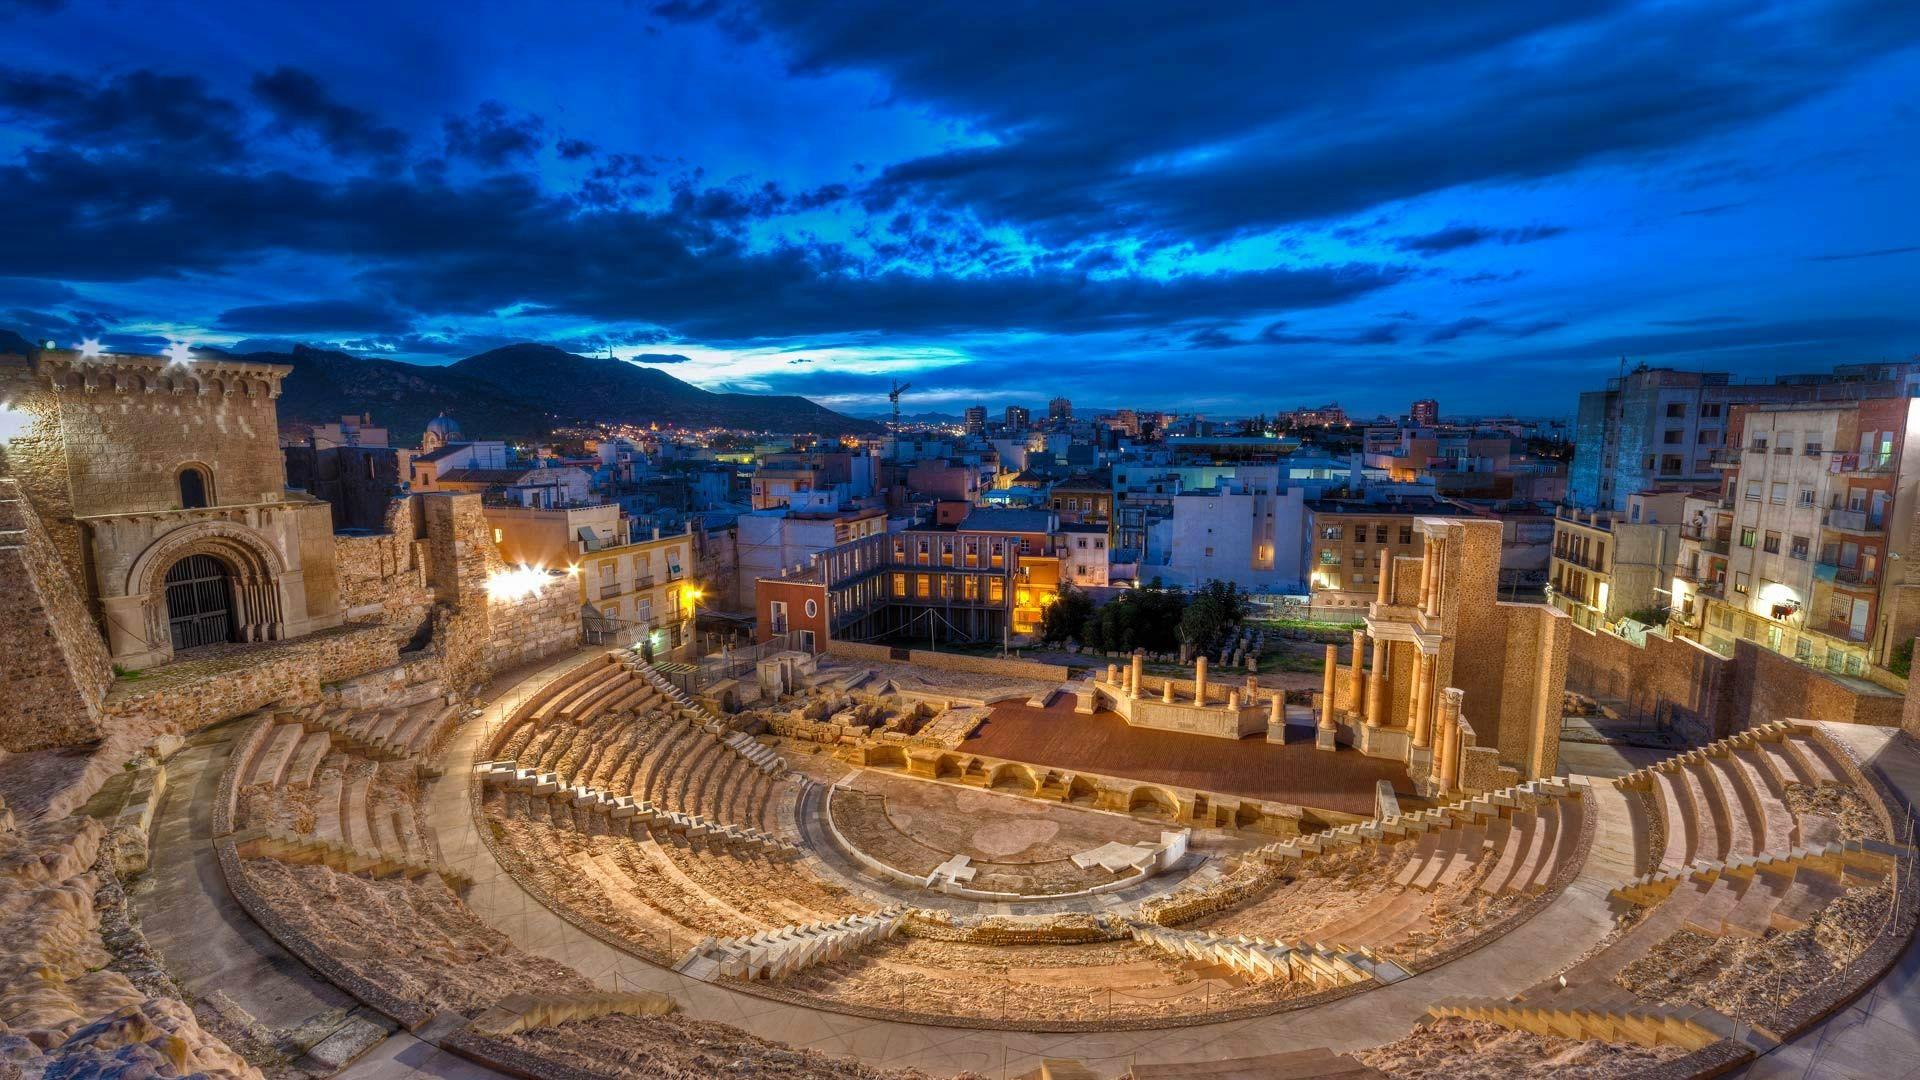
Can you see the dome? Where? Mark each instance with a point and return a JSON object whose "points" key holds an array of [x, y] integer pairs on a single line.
{"points": [[441, 430]]}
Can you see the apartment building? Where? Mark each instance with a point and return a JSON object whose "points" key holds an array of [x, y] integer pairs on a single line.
{"points": [[1606, 565], [927, 584], [1083, 554], [640, 592], [1822, 515], [1350, 540]]}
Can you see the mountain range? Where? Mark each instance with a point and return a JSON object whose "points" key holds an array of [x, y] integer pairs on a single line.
{"points": [[523, 391]]}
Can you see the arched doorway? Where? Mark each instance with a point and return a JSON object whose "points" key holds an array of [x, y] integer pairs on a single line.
{"points": [[199, 602]]}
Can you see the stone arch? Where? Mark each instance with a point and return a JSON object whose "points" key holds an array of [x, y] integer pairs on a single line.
{"points": [[948, 767], [1012, 776], [1082, 791], [1247, 816], [886, 757], [255, 568], [1153, 800]]}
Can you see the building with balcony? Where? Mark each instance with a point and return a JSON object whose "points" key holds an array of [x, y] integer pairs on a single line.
{"points": [[917, 585], [1821, 513], [1606, 566], [1700, 566], [640, 592]]}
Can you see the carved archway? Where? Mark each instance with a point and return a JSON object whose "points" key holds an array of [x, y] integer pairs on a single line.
{"points": [[253, 567]]}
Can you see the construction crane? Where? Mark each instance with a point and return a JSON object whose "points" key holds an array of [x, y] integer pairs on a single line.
{"points": [[893, 395]]}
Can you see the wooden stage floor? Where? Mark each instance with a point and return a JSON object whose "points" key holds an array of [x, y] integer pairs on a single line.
{"points": [[1342, 781]]}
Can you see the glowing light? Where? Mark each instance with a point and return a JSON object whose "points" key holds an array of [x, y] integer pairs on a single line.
{"points": [[90, 348], [516, 584], [179, 352]]}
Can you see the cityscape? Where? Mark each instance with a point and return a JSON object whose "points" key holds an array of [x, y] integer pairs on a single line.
{"points": [[885, 544]]}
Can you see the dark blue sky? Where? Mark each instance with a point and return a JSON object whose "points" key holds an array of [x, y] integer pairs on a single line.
{"points": [[1154, 204]]}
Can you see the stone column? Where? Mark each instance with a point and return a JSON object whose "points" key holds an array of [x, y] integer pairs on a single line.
{"points": [[1326, 684], [1426, 570], [1423, 675], [1277, 712], [1200, 680], [1357, 677], [1166, 691], [1139, 669], [1377, 685], [1384, 593], [1113, 673], [1449, 748], [1415, 688], [1432, 599]]}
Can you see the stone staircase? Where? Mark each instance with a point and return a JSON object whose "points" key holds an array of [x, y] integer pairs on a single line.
{"points": [[525, 1012], [700, 717], [1262, 960], [1608, 1017], [635, 813], [1830, 863], [778, 953], [304, 850], [1462, 813], [383, 735]]}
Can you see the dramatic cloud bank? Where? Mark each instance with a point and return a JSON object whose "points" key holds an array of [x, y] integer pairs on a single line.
{"points": [[1231, 209]]}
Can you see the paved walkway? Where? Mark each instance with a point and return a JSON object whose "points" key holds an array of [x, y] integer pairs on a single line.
{"points": [[1531, 953], [1878, 1036], [207, 941]]}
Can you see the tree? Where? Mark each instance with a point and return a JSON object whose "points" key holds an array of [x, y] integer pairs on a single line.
{"points": [[1214, 609], [1067, 616]]}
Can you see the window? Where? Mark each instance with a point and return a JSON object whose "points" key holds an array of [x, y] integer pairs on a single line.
{"points": [[1746, 538], [1328, 557], [1771, 543], [1806, 496], [1753, 490], [813, 609], [1759, 444], [1676, 408], [1799, 549], [1777, 493], [1814, 449], [196, 491], [1406, 534], [1710, 408], [899, 584], [1674, 437], [1739, 582], [1332, 532], [1379, 534]]}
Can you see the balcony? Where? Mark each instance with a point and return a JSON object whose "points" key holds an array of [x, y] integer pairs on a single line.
{"points": [[1726, 458], [1709, 541], [1854, 521], [1847, 577], [1860, 464]]}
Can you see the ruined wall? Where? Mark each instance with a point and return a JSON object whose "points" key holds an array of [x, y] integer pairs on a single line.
{"points": [[1769, 686], [55, 672], [1701, 695], [186, 697], [979, 665], [1671, 683]]}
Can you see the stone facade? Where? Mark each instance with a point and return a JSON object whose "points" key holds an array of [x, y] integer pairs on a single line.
{"points": [[1465, 689], [56, 673], [135, 464]]}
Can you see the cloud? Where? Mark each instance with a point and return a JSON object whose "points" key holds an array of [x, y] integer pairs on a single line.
{"points": [[316, 316], [1878, 253], [142, 109], [1472, 325], [1455, 237], [491, 137], [299, 103], [1290, 113], [662, 358]]}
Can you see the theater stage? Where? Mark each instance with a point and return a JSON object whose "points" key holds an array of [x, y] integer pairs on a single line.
{"points": [[1341, 781]]}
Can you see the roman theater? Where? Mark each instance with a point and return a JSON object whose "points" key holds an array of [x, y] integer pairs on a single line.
{"points": [[404, 820]]}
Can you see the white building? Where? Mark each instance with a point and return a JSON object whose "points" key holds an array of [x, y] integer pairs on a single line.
{"points": [[1083, 554]]}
